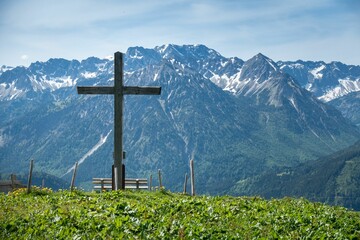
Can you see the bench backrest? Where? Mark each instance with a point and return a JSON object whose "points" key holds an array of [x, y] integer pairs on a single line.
{"points": [[130, 183]]}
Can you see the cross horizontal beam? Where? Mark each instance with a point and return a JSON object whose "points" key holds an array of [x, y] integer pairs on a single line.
{"points": [[142, 90], [95, 90], [126, 90]]}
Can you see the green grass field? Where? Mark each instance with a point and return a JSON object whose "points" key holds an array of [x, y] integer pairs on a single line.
{"points": [[44, 214]]}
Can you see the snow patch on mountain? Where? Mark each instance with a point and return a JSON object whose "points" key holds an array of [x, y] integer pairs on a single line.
{"points": [[156, 76], [2, 138], [293, 103], [308, 86], [222, 81], [88, 75], [271, 63], [317, 72], [345, 87], [90, 152], [236, 86], [51, 83], [163, 48], [10, 92], [293, 66], [137, 55]]}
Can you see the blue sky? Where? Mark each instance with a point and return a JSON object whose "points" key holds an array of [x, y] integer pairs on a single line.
{"points": [[37, 30]]}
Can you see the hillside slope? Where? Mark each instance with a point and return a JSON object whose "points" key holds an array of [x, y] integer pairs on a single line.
{"points": [[333, 179]]}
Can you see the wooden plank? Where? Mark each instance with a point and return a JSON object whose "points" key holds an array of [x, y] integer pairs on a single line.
{"points": [[102, 187], [126, 183], [126, 179], [135, 187], [142, 90], [126, 187], [99, 182], [98, 179], [95, 90], [134, 183]]}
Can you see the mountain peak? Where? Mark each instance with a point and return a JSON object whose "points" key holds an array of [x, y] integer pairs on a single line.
{"points": [[259, 68], [140, 52], [196, 51], [261, 79], [139, 57], [264, 60], [260, 55]]}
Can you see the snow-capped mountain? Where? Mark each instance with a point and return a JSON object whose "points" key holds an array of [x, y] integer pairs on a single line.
{"points": [[349, 106], [327, 81], [50, 76], [235, 118], [261, 76]]}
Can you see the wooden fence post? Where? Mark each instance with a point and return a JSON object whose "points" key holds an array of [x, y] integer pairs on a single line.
{"points": [[13, 178], [73, 177], [160, 183], [192, 177], [185, 183], [150, 183], [30, 176]]}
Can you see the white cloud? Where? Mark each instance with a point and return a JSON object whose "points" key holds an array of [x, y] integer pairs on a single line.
{"points": [[24, 57], [79, 29]]}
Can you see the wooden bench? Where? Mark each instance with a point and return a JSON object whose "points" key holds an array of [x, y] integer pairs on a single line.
{"points": [[10, 185], [130, 183]]}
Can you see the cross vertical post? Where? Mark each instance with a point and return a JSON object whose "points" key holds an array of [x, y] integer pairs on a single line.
{"points": [[118, 119]]}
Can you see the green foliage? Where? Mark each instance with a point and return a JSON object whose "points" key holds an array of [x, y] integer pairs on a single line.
{"points": [[165, 215], [333, 179], [35, 190]]}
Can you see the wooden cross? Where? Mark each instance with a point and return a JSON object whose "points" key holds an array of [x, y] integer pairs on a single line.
{"points": [[119, 90]]}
